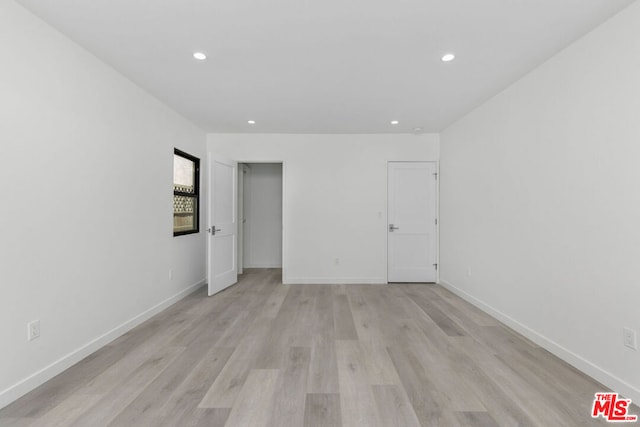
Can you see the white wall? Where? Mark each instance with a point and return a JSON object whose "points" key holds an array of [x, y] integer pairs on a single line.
{"points": [[335, 192], [263, 213], [86, 217], [540, 199]]}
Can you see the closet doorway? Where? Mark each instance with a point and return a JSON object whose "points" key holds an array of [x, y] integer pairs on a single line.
{"points": [[259, 215]]}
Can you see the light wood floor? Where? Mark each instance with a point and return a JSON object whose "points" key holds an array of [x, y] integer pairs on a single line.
{"points": [[265, 354]]}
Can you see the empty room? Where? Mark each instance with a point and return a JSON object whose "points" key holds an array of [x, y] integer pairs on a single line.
{"points": [[319, 213]]}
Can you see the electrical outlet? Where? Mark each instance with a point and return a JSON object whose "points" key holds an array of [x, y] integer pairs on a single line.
{"points": [[336, 261], [630, 338], [33, 330]]}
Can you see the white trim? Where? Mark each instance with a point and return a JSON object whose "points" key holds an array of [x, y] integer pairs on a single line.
{"points": [[242, 170], [577, 361], [263, 266], [437, 162], [285, 255], [36, 379], [336, 281], [386, 222]]}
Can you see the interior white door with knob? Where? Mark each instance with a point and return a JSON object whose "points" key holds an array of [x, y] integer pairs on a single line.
{"points": [[222, 226], [412, 222]]}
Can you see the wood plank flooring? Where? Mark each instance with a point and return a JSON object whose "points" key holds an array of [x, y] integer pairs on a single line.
{"points": [[266, 354]]}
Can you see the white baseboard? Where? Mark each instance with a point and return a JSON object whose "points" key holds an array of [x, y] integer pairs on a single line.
{"points": [[262, 266], [580, 363], [31, 382], [335, 281]]}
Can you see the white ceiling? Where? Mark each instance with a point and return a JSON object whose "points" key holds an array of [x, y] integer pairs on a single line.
{"points": [[324, 66]]}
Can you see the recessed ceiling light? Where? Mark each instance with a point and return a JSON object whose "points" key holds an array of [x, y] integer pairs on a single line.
{"points": [[394, 122], [448, 57], [251, 122], [200, 56]]}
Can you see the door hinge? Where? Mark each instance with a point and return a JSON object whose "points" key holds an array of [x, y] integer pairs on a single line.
{"points": [[436, 266], [436, 221], [435, 174]]}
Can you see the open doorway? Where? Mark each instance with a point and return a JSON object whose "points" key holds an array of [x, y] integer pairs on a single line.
{"points": [[259, 215]]}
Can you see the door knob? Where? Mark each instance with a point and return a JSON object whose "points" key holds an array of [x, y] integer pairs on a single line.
{"points": [[392, 228]]}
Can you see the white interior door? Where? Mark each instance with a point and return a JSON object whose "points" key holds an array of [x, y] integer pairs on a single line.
{"points": [[411, 214], [221, 238]]}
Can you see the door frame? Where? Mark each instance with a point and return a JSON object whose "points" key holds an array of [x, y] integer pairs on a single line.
{"points": [[240, 219], [386, 214], [284, 210]]}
